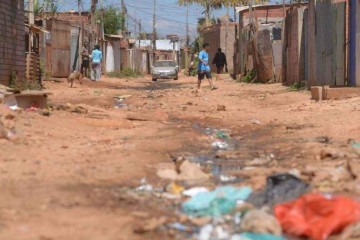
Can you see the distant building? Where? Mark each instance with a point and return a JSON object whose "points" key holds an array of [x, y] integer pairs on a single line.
{"points": [[12, 41], [164, 49]]}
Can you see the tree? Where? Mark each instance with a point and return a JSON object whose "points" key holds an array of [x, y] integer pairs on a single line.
{"points": [[47, 6], [112, 18], [201, 24], [208, 5], [142, 35]]}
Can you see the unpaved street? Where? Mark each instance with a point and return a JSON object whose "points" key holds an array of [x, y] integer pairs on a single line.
{"points": [[72, 175]]}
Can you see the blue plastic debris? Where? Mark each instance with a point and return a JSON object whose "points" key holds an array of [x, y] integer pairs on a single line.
{"points": [[221, 201], [356, 145], [256, 236]]}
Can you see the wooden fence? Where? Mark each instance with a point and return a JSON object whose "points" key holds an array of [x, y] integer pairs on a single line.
{"points": [[315, 44]]}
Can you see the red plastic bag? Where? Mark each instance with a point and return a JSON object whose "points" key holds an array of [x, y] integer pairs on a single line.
{"points": [[317, 216]]}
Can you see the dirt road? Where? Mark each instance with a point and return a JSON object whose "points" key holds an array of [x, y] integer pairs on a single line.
{"points": [[70, 175]]}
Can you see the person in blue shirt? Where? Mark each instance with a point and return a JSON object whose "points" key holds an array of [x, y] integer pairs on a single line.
{"points": [[96, 60], [204, 67]]}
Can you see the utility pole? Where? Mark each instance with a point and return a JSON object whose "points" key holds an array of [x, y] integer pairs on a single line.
{"points": [[154, 33], [227, 30], [187, 40], [124, 15], [139, 32], [102, 19], [79, 7], [135, 25], [187, 28]]}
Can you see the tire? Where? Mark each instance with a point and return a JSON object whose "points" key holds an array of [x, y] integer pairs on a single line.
{"points": [[177, 78], [154, 79]]}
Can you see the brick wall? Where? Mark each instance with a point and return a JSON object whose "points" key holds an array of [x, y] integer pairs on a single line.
{"points": [[216, 36], [73, 17], [12, 40]]}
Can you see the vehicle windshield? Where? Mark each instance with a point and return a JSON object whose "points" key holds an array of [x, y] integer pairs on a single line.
{"points": [[165, 64]]}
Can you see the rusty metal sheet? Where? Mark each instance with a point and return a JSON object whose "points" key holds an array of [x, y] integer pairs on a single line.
{"points": [[340, 44]]}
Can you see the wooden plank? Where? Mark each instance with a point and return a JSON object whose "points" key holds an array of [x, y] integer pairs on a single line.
{"points": [[357, 62], [340, 44], [306, 45], [301, 37], [311, 47], [324, 42], [277, 55]]}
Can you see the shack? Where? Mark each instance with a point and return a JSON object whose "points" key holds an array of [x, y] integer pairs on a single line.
{"points": [[260, 40], [60, 49], [112, 53], [12, 42], [315, 46]]}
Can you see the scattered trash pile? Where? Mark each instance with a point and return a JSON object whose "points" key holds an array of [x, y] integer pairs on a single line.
{"points": [[119, 101], [80, 109], [7, 124], [3, 91], [298, 204]]}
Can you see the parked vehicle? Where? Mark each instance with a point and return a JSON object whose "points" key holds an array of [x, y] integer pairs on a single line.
{"points": [[165, 70]]}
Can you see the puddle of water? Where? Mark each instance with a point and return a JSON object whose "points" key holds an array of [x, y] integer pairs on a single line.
{"points": [[258, 144]]}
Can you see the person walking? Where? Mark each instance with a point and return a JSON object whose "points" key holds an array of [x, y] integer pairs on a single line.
{"points": [[220, 62], [204, 68], [85, 63], [96, 57]]}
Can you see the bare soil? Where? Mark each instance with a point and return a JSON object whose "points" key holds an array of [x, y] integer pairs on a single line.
{"points": [[71, 175]]}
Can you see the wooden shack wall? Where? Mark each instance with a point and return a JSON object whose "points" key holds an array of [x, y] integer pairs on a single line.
{"points": [[330, 43], [315, 51], [294, 68], [12, 40], [59, 48]]}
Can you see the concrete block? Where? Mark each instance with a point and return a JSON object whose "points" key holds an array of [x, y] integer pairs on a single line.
{"points": [[333, 93], [317, 93], [27, 99]]}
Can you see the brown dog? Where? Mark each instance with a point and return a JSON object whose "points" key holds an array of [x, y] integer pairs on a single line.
{"points": [[75, 76]]}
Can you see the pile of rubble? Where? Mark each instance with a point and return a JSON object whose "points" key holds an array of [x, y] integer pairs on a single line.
{"points": [[7, 124]]}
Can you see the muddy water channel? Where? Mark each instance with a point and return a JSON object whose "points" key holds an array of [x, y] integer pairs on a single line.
{"points": [[230, 151]]}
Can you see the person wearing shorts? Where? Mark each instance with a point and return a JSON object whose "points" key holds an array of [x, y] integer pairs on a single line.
{"points": [[204, 68], [85, 64]]}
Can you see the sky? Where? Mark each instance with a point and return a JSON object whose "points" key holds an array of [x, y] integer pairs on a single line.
{"points": [[171, 18]]}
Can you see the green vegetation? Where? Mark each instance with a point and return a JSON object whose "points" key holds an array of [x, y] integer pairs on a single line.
{"points": [[17, 85], [194, 71], [298, 86], [44, 74], [250, 77], [113, 20], [126, 73], [46, 6], [208, 6], [32, 85]]}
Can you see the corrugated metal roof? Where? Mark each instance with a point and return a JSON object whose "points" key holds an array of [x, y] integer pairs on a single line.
{"points": [[241, 9], [113, 36]]}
